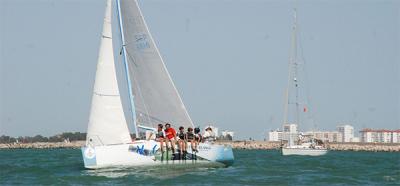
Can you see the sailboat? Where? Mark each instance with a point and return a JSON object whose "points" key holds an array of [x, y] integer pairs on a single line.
{"points": [[297, 143], [133, 87]]}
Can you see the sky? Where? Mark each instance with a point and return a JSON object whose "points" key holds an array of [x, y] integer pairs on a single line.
{"points": [[227, 58]]}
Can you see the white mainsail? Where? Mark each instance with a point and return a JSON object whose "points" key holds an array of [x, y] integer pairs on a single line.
{"points": [[152, 92], [107, 124]]}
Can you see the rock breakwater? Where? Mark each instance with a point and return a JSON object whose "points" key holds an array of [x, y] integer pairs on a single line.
{"points": [[375, 147], [42, 145]]}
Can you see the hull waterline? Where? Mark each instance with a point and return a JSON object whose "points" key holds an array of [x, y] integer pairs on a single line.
{"points": [[303, 151]]}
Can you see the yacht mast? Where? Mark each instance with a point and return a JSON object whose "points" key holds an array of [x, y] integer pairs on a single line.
{"points": [[292, 76], [295, 66], [126, 68]]}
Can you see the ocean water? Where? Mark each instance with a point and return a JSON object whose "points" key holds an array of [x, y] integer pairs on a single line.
{"points": [[251, 167]]}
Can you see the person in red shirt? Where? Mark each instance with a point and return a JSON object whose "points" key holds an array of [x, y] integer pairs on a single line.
{"points": [[170, 133]]}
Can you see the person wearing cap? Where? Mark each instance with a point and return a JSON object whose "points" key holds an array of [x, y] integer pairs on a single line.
{"points": [[170, 134]]}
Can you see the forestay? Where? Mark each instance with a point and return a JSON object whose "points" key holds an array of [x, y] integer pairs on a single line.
{"points": [[155, 97]]}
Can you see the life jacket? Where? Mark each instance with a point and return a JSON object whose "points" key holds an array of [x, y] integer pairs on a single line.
{"points": [[181, 135], [190, 135], [198, 137], [160, 134]]}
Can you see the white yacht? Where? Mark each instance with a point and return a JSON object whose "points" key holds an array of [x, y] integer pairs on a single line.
{"points": [[297, 107], [309, 147]]}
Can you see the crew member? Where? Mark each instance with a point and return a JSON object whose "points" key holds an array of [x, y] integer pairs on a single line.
{"points": [[170, 134]]}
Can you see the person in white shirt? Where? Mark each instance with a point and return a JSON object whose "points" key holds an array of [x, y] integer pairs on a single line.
{"points": [[209, 135]]}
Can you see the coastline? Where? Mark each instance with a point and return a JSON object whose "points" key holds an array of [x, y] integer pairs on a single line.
{"points": [[266, 145], [43, 145], [248, 145]]}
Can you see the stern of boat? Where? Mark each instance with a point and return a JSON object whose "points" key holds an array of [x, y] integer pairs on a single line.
{"points": [[217, 153]]}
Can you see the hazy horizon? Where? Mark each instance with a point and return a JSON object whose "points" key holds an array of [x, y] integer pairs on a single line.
{"points": [[228, 60]]}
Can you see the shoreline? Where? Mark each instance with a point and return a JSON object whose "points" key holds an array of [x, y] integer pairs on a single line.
{"points": [[266, 145], [248, 145], [43, 145]]}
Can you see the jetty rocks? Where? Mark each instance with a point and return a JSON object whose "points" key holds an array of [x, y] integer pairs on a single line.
{"points": [[42, 145], [374, 147], [252, 144]]}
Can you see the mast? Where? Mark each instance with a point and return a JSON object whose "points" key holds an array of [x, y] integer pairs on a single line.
{"points": [[295, 66], [292, 76], [123, 50]]}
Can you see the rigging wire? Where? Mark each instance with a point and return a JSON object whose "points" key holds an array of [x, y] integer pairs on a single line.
{"points": [[309, 104]]}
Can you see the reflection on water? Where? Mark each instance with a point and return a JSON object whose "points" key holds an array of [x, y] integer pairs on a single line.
{"points": [[162, 171]]}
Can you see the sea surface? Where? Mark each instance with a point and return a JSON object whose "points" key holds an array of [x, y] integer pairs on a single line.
{"points": [[251, 167]]}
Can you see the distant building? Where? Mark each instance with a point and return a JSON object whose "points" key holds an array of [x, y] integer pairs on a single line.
{"points": [[347, 132], [290, 128], [275, 135], [326, 136], [227, 135], [396, 136], [380, 136], [290, 133]]}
